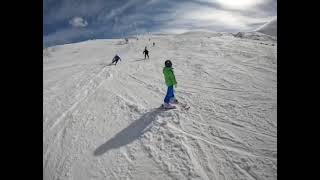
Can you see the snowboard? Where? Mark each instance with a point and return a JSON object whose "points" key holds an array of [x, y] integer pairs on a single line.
{"points": [[181, 105], [162, 107]]}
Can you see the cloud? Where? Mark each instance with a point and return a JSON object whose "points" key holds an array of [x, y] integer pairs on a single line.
{"points": [[189, 16], [239, 4], [118, 18], [78, 22], [57, 11]]}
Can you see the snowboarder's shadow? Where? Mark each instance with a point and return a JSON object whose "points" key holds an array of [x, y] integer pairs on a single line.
{"points": [[130, 133], [110, 64], [104, 64]]}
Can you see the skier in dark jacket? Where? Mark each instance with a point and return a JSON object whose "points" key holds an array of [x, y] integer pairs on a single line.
{"points": [[146, 53], [116, 59]]}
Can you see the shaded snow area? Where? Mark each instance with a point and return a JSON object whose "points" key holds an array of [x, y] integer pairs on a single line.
{"points": [[269, 28], [102, 121]]}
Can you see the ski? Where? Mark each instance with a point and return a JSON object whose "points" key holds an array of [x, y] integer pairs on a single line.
{"points": [[185, 106]]}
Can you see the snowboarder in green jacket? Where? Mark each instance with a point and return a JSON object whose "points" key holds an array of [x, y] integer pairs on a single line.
{"points": [[170, 82]]}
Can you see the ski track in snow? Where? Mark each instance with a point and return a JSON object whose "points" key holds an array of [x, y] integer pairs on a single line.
{"points": [[103, 122]]}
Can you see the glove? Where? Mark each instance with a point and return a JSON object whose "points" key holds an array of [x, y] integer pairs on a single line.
{"points": [[175, 85]]}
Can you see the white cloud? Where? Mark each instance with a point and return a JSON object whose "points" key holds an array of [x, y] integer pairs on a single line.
{"points": [[78, 22], [239, 4], [189, 16], [113, 13], [227, 19]]}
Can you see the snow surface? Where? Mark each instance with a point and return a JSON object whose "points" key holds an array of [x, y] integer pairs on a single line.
{"points": [[103, 122]]}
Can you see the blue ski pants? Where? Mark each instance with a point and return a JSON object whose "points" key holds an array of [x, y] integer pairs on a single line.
{"points": [[170, 94]]}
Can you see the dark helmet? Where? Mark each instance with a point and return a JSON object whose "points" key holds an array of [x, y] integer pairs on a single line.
{"points": [[168, 63]]}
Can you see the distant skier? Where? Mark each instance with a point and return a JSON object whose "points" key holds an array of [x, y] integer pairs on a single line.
{"points": [[146, 53], [116, 59], [153, 44], [170, 82]]}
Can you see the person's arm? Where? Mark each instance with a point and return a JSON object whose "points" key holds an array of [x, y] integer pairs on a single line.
{"points": [[173, 78]]}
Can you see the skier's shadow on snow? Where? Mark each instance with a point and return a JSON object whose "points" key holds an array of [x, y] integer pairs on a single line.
{"points": [[141, 59], [130, 133]]}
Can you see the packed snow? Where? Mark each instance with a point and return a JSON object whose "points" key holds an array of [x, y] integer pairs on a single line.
{"points": [[103, 121]]}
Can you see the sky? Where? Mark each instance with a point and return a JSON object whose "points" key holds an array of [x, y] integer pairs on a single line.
{"points": [[69, 21]]}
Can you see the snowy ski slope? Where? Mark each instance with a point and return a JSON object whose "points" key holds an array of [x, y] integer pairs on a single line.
{"points": [[103, 122]]}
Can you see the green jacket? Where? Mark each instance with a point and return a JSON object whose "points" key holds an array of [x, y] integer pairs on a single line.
{"points": [[169, 76]]}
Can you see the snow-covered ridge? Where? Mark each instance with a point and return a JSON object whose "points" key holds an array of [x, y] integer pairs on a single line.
{"points": [[256, 36], [267, 32], [269, 28]]}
